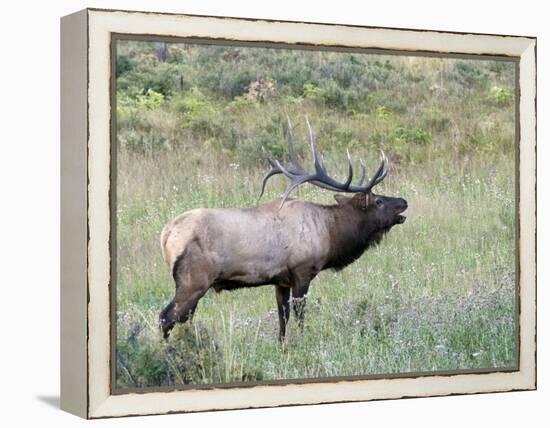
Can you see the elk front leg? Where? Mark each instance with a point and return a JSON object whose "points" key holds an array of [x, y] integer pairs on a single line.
{"points": [[299, 297], [283, 307]]}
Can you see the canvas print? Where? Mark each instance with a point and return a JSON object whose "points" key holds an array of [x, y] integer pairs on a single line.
{"points": [[285, 213]]}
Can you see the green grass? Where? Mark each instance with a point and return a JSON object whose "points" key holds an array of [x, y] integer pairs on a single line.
{"points": [[438, 293]]}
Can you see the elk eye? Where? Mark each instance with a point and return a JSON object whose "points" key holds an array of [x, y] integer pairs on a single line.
{"points": [[378, 202]]}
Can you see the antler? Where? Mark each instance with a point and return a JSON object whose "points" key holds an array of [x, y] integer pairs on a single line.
{"points": [[298, 175], [294, 167]]}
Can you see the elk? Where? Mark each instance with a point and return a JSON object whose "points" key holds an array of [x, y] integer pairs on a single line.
{"points": [[284, 243]]}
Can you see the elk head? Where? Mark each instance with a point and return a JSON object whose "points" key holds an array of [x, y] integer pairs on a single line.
{"points": [[383, 211]]}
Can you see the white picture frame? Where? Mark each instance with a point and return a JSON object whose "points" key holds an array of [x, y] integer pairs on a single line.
{"points": [[86, 212]]}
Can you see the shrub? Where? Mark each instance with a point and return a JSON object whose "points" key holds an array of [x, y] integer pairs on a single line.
{"points": [[435, 120], [176, 53], [500, 96], [164, 78], [251, 149], [261, 89], [350, 101], [410, 135], [503, 70], [291, 71], [470, 73], [222, 75], [377, 73], [415, 75], [480, 140], [346, 72], [140, 140], [383, 113], [240, 102], [130, 112], [311, 91], [338, 137], [398, 104], [124, 64], [192, 105], [401, 140], [151, 100], [191, 355], [333, 95]]}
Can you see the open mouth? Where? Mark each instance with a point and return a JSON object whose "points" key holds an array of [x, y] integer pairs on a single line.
{"points": [[400, 219]]}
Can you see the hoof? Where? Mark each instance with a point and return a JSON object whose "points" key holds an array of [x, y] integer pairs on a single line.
{"points": [[165, 326]]}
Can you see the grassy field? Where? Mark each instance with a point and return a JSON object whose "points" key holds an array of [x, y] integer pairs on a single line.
{"points": [[437, 294]]}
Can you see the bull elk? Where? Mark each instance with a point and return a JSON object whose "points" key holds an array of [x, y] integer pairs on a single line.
{"points": [[285, 242]]}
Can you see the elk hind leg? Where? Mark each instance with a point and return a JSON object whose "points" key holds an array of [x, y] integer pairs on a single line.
{"points": [[178, 310], [192, 282]]}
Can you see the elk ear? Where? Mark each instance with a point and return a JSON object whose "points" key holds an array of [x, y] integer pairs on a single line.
{"points": [[360, 201], [369, 199], [341, 199]]}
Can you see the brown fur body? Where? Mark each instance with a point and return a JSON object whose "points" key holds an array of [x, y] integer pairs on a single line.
{"points": [[231, 248]]}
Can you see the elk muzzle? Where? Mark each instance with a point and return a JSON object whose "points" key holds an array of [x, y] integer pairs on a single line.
{"points": [[400, 206]]}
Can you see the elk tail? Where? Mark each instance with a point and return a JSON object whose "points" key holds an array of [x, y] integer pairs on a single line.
{"points": [[163, 238]]}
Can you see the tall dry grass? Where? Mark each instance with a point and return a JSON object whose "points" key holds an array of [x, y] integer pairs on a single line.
{"points": [[437, 294]]}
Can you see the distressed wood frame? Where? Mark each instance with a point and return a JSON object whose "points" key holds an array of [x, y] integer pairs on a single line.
{"points": [[86, 129]]}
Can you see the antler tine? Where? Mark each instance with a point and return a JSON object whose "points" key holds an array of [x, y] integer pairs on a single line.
{"points": [[297, 179], [322, 162], [292, 174], [382, 176], [290, 141], [273, 171], [385, 171], [295, 182], [363, 173], [313, 142], [350, 171], [276, 169], [295, 166], [378, 176]]}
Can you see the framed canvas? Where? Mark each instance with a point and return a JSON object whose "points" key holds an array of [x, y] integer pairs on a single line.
{"points": [[264, 213]]}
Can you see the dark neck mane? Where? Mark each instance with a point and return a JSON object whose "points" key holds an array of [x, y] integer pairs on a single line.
{"points": [[351, 234]]}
